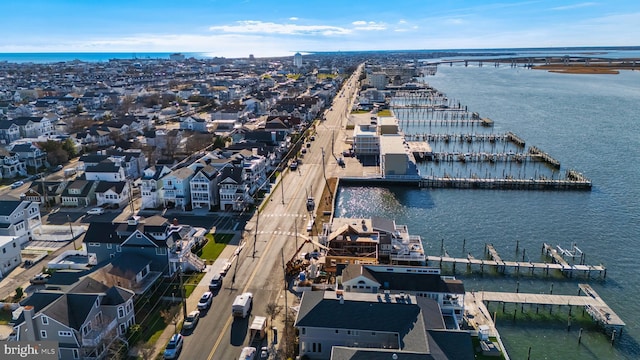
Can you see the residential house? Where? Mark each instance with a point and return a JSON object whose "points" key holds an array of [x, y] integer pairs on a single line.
{"points": [[10, 257], [19, 219], [33, 126], [133, 161], [195, 123], [11, 165], [234, 192], [165, 246], [106, 170], [85, 321], [95, 137], [376, 323], [231, 111], [113, 193], [9, 132], [31, 154], [151, 185], [420, 281], [79, 193], [204, 189], [176, 188], [129, 270], [46, 192]]}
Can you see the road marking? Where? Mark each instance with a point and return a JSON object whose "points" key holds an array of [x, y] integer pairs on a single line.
{"points": [[253, 274]]}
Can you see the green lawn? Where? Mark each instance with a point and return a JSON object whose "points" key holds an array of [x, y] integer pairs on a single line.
{"points": [[190, 283], [214, 246], [384, 113]]}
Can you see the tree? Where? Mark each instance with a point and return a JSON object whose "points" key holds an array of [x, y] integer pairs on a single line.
{"points": [[273, 309], [197, 142], [19, 293], [170, 315]]}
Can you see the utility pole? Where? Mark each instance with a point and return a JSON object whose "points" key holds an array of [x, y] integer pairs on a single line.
{"points": [[182, 295], [286, 306], [73, 238], [282, 185], [255, 234]]}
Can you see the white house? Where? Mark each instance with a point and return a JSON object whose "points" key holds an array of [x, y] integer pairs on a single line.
{"points": [[10, 256], [106, 170], [19, 219], [151, 184], [204, 189], [112, 193]]}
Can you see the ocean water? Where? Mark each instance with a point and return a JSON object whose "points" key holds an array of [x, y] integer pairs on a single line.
{"points": [[587, 122]]}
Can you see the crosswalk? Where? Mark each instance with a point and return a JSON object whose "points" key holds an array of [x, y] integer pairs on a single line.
{"points": [[283, 215]]}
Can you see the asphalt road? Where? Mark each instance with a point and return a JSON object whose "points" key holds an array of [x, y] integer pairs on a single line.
{"points": [[259, 268]]}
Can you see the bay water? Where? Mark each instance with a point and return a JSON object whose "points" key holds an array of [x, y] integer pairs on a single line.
{"points": [[590, 123]]}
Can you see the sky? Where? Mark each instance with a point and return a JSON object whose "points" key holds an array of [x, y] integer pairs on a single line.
{"points": [[266, 28]]}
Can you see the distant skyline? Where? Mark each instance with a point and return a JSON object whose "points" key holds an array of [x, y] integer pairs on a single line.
{"points": [[280, 28]]}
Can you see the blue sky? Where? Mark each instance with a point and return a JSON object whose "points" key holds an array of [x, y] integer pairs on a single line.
{"points": [[282, 27]]}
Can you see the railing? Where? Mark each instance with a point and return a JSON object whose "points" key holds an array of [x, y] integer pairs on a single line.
{"points": [[94, 337]]}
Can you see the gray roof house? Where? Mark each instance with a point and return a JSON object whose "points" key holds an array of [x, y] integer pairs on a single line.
{"points": [[427, 282], [373, 324], [86, 321]]}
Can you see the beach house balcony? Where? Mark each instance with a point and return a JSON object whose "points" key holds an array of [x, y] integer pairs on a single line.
{"points": [[93, 337], [181, 255]]}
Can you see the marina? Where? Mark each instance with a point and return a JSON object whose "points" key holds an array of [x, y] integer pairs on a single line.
{"points": [[494, 260], [484, 159], [591, 303]]}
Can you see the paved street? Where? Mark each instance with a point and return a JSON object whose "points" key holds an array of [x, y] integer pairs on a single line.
{"points": [[259, 266]]}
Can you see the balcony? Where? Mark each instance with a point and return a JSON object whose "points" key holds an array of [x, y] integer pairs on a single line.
{"points": [[93, 337]]}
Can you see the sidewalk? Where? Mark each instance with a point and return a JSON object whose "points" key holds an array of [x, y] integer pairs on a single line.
{"points": [[192, 301]]}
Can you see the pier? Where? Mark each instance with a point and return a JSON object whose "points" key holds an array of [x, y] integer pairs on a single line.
{"points": [[504, 184], [599, 311], [496, 262]]}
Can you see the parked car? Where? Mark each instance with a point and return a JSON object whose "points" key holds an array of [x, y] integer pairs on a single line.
{"points": [[95, 211], [192, 320], [39, 279], [341, 162], [216, 282], [205, 301], [173, 347], [17, 184]]}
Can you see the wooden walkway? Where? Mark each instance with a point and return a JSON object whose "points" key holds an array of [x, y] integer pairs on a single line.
{"points": [[501, 265], [592, 303]]}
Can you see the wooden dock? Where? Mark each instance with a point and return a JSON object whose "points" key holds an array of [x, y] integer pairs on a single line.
{"points": [[504, 184], [501, 265], [592, 304]]}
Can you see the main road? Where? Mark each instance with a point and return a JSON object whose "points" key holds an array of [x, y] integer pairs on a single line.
{"points": [[270, 239]]}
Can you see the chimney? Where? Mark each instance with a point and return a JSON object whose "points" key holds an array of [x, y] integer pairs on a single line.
{"points": [[29, 325], [175, 222], [341, 299]]}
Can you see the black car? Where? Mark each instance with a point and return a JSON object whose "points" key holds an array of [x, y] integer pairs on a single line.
{"points": [[216, 282]]}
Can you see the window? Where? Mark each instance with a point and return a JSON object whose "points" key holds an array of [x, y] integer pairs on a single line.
{"points": [[122, 329], [120, 312], [65, 333], [94, 244], [45, 320], [43, 334], [76, 355], [304, 331], [161, 251], [109, 246], [118, 248]]}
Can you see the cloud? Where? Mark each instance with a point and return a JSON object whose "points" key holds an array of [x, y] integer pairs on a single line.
{"points": [[574, 6], [370, 25], [402, 22], [260, 27], [293, 18]]}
